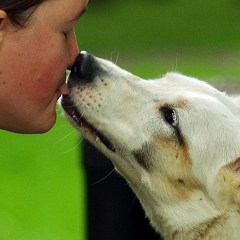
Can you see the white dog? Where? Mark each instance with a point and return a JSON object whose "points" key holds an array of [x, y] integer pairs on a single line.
{"points": [[175, 139]]}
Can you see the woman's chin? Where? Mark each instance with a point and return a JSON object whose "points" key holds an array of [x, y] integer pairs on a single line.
{"points": [[46, 126], [41, 125]]}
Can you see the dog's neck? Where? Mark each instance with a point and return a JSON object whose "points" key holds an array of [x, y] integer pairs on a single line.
{"points": [[197, 218]]}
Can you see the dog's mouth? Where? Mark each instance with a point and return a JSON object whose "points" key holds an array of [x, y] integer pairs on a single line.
{"points": [[71, 110]]}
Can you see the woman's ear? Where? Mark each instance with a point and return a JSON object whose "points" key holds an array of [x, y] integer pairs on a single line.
{"points": [[3, 23], [3, 19]]}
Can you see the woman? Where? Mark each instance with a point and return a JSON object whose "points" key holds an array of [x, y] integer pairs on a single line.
{"points": [[37, 46]]}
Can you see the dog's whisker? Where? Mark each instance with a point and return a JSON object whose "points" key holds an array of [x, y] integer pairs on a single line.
{"points": [[70, 133], [74, 147], [102, 179], [176, 64], [135, 197], [116, 58], [111, 57], [66, 136], [106, 56], [82, 113]]}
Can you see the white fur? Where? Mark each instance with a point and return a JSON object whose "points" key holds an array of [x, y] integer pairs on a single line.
{"points": [[191, 190]]}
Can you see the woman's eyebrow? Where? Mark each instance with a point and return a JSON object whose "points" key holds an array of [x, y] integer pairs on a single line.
{"points": [[79, 15]]}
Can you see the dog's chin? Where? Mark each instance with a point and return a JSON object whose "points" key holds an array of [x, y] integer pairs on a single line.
{"points": [[75, 117]]}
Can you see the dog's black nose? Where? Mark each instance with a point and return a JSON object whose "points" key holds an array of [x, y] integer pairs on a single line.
{"points": [[84, 69]]}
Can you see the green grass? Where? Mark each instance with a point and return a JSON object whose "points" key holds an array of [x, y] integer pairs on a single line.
{"points": [[42, 182], [42, 185], [128, 26], [202, 63], [150, 38]]}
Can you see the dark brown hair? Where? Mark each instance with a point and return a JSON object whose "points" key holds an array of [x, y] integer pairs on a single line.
{"points": [[19, 11]]}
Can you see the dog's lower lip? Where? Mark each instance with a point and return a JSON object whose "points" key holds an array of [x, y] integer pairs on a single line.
{"points": [[72, 111]]}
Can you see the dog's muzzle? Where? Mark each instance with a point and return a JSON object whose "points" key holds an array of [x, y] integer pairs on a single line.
{"points": [[84, 71]]}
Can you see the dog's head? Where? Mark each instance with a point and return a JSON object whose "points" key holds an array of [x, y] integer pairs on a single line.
{"points": [[170, 138]]}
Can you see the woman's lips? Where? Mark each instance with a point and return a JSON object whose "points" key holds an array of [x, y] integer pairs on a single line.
{"points": [[64, 89]]}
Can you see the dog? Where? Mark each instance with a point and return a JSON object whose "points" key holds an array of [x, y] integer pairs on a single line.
{"points": [[176, 140]]}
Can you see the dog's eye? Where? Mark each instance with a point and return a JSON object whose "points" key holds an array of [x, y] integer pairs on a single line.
{"points": [[170, 116]]}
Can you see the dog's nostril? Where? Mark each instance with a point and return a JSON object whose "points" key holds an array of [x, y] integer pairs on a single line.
{"points": [[79, 63], [84, 67]]}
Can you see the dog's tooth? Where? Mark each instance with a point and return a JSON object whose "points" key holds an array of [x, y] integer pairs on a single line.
{"points": [[97, 139], [75, 118]]}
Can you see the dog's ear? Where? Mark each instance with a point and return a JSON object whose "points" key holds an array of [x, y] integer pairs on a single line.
{"points": [[235, 166], [229, 184]]}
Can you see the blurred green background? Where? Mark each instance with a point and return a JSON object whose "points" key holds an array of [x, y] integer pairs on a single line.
{"points": [[42, 186]]}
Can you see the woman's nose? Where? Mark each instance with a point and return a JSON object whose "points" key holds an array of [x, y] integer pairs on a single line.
{"points": [[73, 49]]}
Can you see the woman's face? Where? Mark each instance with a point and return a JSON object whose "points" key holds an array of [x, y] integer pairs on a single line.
{"points": [[33, 64]]}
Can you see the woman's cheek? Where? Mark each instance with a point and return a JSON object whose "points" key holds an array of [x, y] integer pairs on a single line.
{"points": [[51, 77]]}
